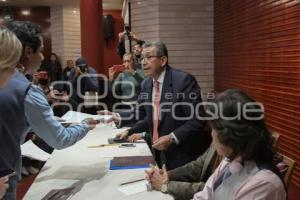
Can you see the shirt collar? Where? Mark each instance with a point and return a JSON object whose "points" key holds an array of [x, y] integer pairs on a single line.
{"points": [[234, 165], [161, 77]]}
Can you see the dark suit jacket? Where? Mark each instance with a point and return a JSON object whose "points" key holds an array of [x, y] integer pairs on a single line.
{"points": [[189, 179], [179, 97]]}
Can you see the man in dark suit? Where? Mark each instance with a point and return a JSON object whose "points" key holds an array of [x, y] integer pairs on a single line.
{"points": [[169, 103], [183, 182]]}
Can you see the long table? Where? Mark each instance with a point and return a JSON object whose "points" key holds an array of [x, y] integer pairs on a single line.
{"points": [[88, 169]]}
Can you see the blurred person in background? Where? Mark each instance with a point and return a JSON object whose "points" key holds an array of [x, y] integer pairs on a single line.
{"points": [[55, 73], [67, 70], [128, 83]]}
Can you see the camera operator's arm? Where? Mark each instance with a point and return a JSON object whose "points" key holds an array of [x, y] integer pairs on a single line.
{"points": [[73, 75], [121, 46]]}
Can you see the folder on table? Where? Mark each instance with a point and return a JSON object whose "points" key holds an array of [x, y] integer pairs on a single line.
{"points": [[131, 162]]}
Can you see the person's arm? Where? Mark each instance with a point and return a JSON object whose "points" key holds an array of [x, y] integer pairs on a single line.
{"points": [[3, 186], [264, 185], [139, 127], [184, 190], [121, 49], [41, 119], [121, 45], [190, 172], [185, 181]]}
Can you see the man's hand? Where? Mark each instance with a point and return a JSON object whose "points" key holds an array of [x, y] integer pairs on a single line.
{"points": [[159, 177], [121, 36], [149, 172], [78, 71], [91, 123], [163, 142], [122, 135], [111, 74], [3, 186], [134, 137], [114, 116]]}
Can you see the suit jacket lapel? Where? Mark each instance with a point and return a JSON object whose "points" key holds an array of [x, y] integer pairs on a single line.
{"points": [[207, 161], [166, 88]]}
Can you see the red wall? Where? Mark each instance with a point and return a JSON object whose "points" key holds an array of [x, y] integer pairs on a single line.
{"points": [[111, 56], [257, 49]]}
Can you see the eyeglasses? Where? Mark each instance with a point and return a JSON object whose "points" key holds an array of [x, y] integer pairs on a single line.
{"points": [[147, 58]]}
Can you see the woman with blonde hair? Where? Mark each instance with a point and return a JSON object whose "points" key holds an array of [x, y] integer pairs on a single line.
{"points": [[10, 53]]}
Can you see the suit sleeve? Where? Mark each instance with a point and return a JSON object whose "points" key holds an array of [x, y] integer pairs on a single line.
{"points": [[192, 97], [139, 127], [190, 172], [185, 181], [184, 190]]}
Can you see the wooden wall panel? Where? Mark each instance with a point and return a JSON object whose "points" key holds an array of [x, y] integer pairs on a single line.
{"points": [[257, 49], [65, 32], [186, 27]]}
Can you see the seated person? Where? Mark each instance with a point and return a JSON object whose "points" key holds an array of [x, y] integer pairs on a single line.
{"points": [[183, 182], [240, 135], [128, 83]]}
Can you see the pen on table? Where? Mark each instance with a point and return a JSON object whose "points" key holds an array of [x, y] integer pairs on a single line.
{"points": [[133, 181], [102, 145]]}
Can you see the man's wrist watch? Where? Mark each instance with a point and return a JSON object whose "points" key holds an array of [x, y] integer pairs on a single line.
{"points": [[164, 188]]}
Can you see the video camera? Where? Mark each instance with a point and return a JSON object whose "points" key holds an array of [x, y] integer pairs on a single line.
{"points": [[83, 68], [127, 31]]}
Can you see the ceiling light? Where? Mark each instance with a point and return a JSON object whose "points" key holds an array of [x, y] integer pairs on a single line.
{"points": [[3, 0], [74, 11], [139, 3], [25, 12]]}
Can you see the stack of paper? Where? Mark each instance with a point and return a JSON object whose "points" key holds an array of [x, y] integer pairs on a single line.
{"points": [[30, 150], [77, 117]]}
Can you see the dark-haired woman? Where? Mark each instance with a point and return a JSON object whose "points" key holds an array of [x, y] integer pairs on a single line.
{"points": [[55, 68], [240, 135]]}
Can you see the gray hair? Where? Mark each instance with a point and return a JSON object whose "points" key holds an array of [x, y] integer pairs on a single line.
{"points": [[10, 48], [161, 49], [128, 55]]}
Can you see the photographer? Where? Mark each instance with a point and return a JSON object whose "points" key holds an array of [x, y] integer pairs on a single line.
{"points": [[136, 46], [87, 83]]}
